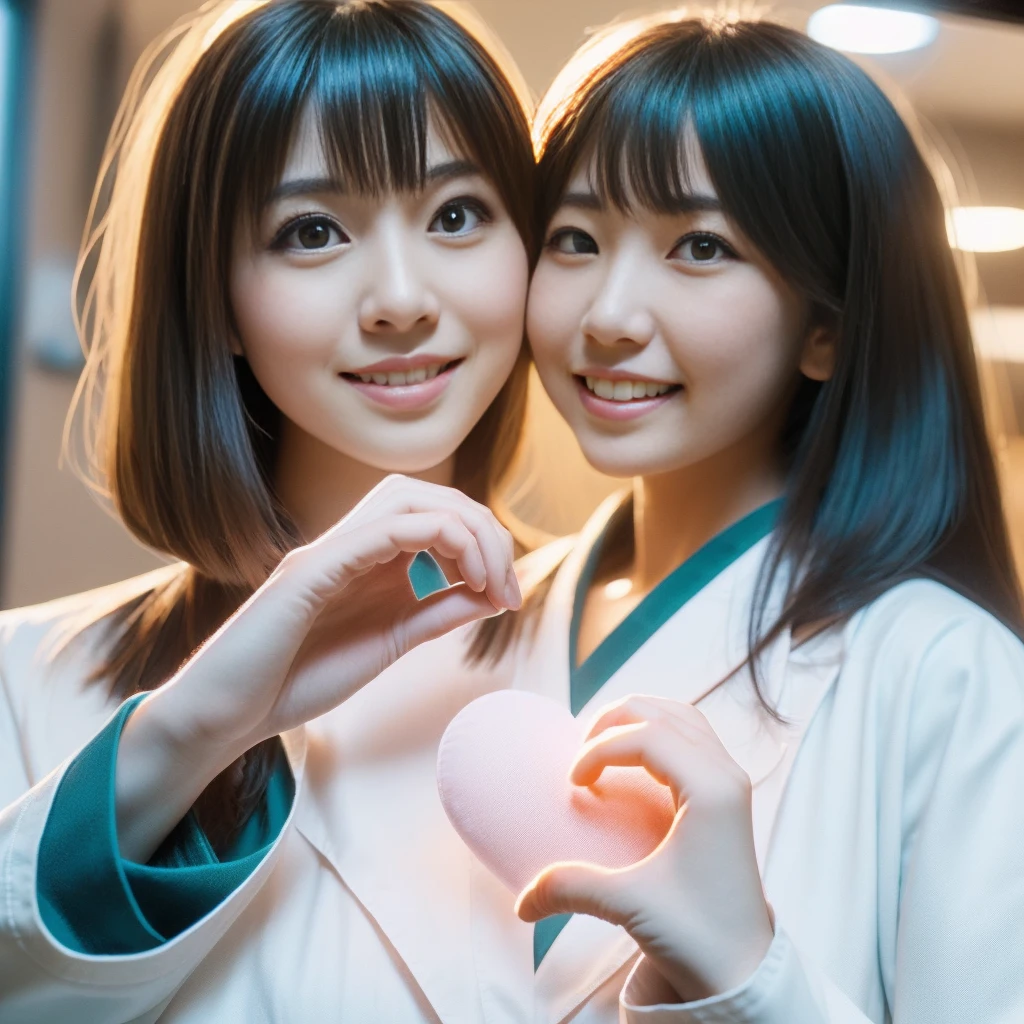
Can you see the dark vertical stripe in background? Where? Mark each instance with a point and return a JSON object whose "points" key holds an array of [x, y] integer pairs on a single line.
{"points": [[16, 53]]}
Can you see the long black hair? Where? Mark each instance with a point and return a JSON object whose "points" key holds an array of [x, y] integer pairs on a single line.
{"points": [[891, 476]]}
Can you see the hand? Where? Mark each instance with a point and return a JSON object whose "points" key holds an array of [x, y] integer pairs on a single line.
{"points": [[330, 618], [695, 906]]}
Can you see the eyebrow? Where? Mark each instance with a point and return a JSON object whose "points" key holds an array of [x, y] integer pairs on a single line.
{"points": [[687, 202], [317, 185]]}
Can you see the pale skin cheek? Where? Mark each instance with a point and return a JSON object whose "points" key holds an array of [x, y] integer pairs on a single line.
{"points": [[492, 296], [285, 317], [553, 317]]}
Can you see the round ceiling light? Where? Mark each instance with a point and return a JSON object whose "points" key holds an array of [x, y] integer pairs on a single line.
{"points": [[985, 228], [857, 28]]}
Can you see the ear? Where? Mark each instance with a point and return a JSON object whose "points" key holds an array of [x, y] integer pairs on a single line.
{"points": [[235, 345], [818, 359]]}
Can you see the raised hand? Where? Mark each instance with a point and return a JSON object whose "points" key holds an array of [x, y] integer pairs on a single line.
{"points": [[695, 906], [331, 617]]}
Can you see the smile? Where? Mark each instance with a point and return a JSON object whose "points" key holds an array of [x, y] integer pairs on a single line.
{"points": [[609, 399], [626, 390], [404, 390], [401, 379]]}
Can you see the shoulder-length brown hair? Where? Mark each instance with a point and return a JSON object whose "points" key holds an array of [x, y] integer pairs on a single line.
{"points": [[176, 431]]}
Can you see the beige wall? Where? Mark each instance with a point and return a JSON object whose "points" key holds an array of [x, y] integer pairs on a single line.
{"points": [[57, 538]]}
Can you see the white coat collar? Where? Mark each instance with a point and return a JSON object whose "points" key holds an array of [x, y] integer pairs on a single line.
{"points": [[370, 806], [588, 951]]}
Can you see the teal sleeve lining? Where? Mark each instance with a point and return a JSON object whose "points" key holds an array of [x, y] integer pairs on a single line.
{"points": [[94, 901]]}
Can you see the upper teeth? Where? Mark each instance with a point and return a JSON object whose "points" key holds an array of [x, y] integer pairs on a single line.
{"points": [[625, 390], [397, 378]]}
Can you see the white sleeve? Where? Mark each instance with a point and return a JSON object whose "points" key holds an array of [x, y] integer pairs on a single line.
{"points": [[960, 938], [783, 990], [45, 982]]}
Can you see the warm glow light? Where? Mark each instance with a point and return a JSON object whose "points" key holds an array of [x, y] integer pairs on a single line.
{"points": [[859, 29], [617, 588], [985, 228]]}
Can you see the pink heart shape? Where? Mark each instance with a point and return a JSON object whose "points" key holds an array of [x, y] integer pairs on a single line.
{"points": [[503, 775]]}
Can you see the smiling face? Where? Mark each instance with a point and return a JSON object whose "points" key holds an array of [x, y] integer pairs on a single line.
{"points": [[664, 340], [380, 326]]}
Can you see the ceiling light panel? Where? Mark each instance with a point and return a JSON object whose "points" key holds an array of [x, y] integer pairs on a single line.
{"points": [[857, 28]]}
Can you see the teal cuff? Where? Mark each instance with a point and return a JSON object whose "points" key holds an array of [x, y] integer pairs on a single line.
{"points": [[94, 901]]}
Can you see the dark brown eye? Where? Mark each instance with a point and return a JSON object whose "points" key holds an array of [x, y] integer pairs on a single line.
{"points": [[314, 235], [310, 234], [573, 242], [452, 219], [459, 217], [703, 249]]}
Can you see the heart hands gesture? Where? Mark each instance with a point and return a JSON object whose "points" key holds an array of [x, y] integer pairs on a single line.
{"points": [[695, 905]]}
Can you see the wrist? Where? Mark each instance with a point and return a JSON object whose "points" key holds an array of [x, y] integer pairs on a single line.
{"points": [[175, 741], [194, 729], [721, 967]]}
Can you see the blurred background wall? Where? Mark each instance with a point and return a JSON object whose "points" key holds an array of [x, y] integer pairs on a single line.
{"points": [[968, 86]]}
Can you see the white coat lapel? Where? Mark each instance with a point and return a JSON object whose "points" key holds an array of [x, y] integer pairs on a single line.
{"points": [[372, 809], [694, 657]]}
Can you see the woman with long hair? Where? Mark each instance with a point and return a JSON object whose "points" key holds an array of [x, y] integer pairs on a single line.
{"points": [[304, 272], [803, 618]]}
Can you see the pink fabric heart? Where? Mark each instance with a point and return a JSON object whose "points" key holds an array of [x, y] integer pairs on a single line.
{"points": [[503, 775]]}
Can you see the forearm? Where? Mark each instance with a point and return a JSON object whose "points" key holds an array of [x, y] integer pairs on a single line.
{"points": [[162, 768]]}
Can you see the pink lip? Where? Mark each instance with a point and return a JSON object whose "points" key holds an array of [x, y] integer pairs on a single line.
{"points": [[607, 409], [405, 397]]}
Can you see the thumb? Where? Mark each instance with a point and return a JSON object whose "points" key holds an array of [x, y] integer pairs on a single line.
{"points": [[572, 888], [444, 611]]}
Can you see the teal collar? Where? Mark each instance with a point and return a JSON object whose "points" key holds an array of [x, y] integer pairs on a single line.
{"points": [[675, 590], [682, 584]]}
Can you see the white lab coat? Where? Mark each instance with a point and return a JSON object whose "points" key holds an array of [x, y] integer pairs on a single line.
{"points": [[888, 823]]}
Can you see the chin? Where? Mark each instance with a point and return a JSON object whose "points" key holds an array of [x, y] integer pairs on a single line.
{"points": [[624, 458], [410, 463]]}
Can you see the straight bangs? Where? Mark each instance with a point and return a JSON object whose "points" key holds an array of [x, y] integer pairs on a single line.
{"points": [[376, 77], [680, 89], [175, 431]]}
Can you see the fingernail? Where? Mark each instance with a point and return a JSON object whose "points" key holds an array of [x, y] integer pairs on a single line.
{"points": [[513, 596]]}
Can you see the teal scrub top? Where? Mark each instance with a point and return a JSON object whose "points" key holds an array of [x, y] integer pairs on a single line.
{"points": [[94, 901]]}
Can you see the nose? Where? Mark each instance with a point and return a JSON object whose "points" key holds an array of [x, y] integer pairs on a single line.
{"points": [[398, 297], [619, 313]]}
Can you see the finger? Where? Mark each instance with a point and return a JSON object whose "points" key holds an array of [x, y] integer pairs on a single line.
{"points": [[661, 750], [630, 710], [574, 888], [398, 495], [642, 707], [495, 547], [442, 531], [329, 564], [444, 611]]}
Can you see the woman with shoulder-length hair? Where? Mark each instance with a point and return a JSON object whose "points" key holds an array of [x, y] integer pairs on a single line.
{"points": [[305, 270], [746, 303]]}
